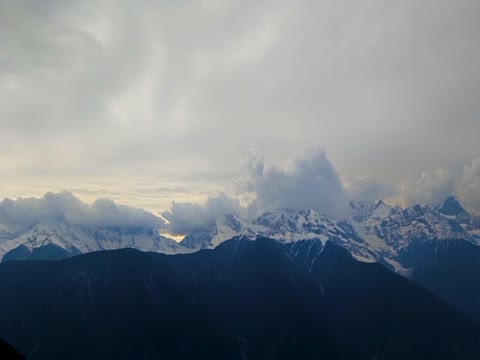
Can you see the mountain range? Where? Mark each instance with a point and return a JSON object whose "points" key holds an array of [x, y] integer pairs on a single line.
{"points": [[374, 232], [47, 240], [287, 284]]}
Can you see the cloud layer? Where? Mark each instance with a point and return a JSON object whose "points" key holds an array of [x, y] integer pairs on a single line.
{"points": [[376, 84], [370, 188], [469, 185], [309, 181], [123, 89], [65, 206], [306, 181], [430, 187]]}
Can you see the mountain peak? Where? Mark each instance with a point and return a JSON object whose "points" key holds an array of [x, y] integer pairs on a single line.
{"points": [[452, 206], [362, 210], [381, 210]]}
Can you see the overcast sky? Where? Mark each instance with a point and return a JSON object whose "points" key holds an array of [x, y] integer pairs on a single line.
{"points": [[147, 102]]}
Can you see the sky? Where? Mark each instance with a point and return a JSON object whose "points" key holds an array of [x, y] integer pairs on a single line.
{"points": [[192, 108]]}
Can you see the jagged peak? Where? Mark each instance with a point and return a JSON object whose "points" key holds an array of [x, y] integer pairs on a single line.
{"points": [[294, 215], [451, 206]]}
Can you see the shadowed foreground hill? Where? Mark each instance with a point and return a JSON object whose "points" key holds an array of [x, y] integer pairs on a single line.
{"points": [[7, 352], [243, 300], [451, 270]]}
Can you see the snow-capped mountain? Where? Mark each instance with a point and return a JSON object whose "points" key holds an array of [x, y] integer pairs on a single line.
{"points": [[363, 210], [467, 217], [399, 227], [390, 230], [420, 222], [284, 225], [5, 235], [74, 240], [375, 231]]}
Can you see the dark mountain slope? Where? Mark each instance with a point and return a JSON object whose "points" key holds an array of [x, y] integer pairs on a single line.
{"points": [[242, 300], [450, 269], [237, 299], [368, 301]]}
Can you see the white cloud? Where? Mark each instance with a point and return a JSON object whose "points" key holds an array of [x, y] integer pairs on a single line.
{"points": [[65, 206], [369, 188], [306, 181], [469, 185], [185, 218], [432, 187]]}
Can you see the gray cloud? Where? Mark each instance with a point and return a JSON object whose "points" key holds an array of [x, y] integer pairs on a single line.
{"points": [[309, 181], [375, 83], [432, 187], [185, 218], [306, 181], [469, 185], [370, 188], [66, 207]]}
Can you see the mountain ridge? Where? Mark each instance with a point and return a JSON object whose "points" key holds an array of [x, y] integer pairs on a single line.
{"points": [[374, 232], [74, 240]]}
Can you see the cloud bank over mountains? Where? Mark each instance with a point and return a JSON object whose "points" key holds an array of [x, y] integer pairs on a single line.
{"points": [[431, 187], [469, 185], [310, 181], [307, 180], [184, 218], [66, 207]]}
